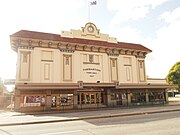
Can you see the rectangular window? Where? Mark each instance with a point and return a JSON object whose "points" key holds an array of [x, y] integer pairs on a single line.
{"points": [[156, 96], [96, 58], [66, 99], [67, 60], [114, 69], [24, 67], [138, 97], [67, 67], [128, 74], [25, 58], [141, 70], [113, 63], [141, 66], [91, 58], [47, 71], [116, 96], [36, 100]]}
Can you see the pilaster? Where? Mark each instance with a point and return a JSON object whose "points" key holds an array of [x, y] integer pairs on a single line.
{"points": [[17, 100], [48, 100]]}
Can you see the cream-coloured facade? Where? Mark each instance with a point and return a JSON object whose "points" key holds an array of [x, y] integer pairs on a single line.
{"points": [[81, 69]]}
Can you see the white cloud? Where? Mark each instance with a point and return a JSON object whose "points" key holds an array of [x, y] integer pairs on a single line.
{"points": [[128, 34], [126, 14], [170, 17], [131, 9], [166, 46]]}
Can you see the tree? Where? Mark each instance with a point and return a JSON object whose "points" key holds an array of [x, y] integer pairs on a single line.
{"points": [[1, 86], [173, 76]]}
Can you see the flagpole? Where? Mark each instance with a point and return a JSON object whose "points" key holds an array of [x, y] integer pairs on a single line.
{"points": [[90, 4], [89, 11]]}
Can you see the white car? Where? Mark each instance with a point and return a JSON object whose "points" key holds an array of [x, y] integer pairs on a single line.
{"points": [[177, 95]]}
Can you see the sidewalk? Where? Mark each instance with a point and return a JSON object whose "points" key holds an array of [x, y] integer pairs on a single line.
{"points": [[15, 118]]}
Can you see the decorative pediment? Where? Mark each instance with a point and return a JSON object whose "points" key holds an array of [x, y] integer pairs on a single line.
{"points": [[90, 29]]}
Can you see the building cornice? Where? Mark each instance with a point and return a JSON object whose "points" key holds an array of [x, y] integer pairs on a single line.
{"points": [[81, 85], [28, 43]]}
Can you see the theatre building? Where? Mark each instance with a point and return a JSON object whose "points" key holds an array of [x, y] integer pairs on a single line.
{"points": [[80, 69]]}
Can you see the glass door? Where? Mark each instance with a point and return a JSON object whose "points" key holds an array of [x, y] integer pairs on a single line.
{"points": [[92, 99], [119, 98], [88, 100], [53, 101]]}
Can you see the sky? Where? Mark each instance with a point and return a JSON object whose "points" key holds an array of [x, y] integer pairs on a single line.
{"points": [[152, 23]]}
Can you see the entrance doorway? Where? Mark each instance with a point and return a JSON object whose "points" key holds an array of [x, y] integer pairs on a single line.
{"points": [[90, 98]]}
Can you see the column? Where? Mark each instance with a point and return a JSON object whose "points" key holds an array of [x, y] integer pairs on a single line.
{"points": [[166, 96], [104, 101], [75, 97], [147, 96], [128, 97], [124, 98], [95, 98], [80, 98], [17, 100], [109, 98]]}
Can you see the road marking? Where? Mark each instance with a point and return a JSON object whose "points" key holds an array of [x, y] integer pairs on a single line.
{"points": [[64, 132]]}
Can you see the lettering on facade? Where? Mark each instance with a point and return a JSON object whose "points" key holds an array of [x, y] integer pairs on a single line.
{"points": [[91, 71]]}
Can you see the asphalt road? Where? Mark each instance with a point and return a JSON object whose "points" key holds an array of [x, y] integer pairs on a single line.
{"points": [[148, 124]]}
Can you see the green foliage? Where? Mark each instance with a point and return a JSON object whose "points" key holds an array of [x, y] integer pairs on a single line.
{"points": [[173, 76]]}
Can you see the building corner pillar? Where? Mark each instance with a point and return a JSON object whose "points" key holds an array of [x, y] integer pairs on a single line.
{"points": [[17, 104]]}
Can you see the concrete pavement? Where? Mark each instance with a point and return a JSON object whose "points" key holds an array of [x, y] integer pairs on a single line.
{"points": [[15, 118]]}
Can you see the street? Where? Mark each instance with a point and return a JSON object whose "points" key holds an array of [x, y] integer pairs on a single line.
{"points": [[148, 124]]}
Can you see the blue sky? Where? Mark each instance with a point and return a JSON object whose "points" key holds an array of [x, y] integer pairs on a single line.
{"points": [[152, 23]]}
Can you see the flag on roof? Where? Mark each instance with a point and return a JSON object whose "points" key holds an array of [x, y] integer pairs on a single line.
{"points": [[93, 2]]}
